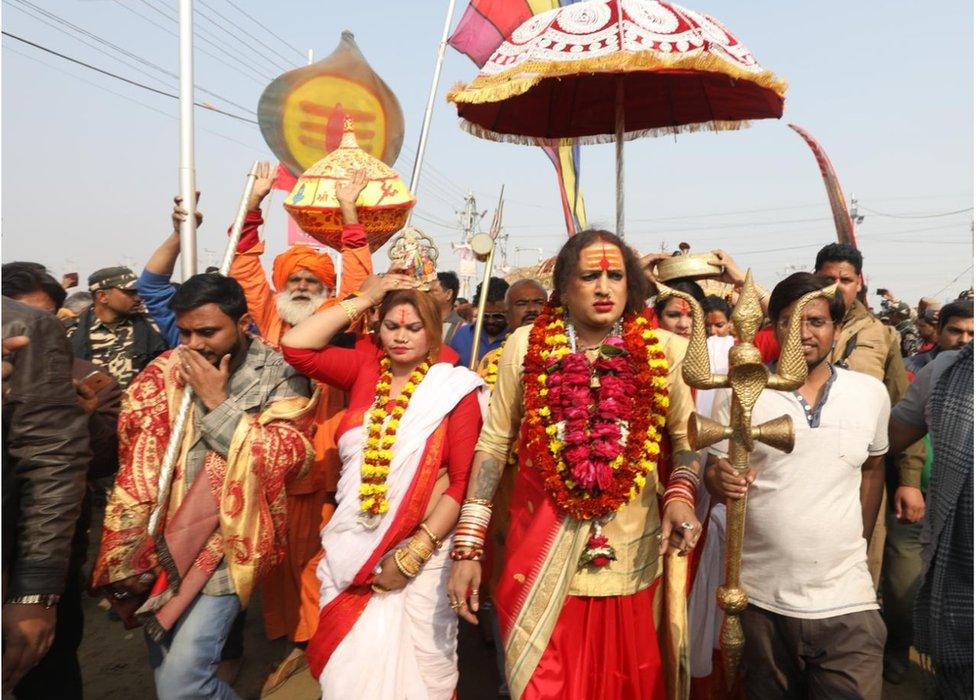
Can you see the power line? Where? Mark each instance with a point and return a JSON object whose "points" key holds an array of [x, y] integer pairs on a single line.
{"points": [[68, 28], [125, 80], [276, 65], [206, 38], [918, 216], [287, 61], [105, 42], [265, 28], [233, 66], [954, 280], [126, 97]]}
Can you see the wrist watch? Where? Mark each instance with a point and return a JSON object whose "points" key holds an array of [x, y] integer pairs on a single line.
{"points": [[48, 600]]}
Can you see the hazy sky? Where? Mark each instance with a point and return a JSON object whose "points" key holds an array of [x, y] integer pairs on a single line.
{"points": [[90, 163]]}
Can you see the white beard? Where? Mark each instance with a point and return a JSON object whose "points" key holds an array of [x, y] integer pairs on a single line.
{"points": [[294, 311]]}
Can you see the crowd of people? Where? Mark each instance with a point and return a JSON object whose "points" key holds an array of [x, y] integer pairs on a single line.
{"points": [[341, 461]]}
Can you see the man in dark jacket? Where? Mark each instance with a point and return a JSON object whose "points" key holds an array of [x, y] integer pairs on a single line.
{"points": [[115, 333], [45, 458], [58, 674]]}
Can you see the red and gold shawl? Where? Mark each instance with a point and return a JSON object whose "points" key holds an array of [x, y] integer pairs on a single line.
{"points": [[234, 509]]}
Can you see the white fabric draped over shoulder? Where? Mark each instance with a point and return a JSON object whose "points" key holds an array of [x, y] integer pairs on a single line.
{"points": [[403, 645]]}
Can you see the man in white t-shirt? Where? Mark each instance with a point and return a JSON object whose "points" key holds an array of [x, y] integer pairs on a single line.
{"points": [[812, 626]]}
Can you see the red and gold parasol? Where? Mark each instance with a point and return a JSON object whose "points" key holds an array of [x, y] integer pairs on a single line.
{"points": [[382, 206], [614, 70]]}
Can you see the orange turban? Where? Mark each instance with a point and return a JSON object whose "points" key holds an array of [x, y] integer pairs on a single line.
{"points": [[319, 264]]}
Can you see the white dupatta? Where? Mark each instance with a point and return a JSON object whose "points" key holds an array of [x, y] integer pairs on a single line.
{"points": [[402, 645]]}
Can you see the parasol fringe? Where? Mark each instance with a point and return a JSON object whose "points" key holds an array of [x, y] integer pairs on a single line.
{"points": [[595, 139], [522, 78]]}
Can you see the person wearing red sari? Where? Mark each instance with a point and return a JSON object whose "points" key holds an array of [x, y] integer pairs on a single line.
{"points": [[405, 444], [595, 397], [303, 280]]}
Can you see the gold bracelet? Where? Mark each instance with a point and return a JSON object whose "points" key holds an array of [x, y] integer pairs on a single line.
{"points": [[422, 551], [398, 558], [478, 501], [438, 542], [350, 310]]}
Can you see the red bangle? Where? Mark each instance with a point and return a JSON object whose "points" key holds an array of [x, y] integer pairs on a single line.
{"points": [[473, 554]]}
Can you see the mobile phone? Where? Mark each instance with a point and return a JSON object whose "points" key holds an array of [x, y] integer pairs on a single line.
{"points": [[97, 380], [881, 292], [69, 280]]}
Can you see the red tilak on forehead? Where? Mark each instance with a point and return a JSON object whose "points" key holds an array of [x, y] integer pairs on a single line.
{"points": [[403, 316], [683, 307], [604, 262]]}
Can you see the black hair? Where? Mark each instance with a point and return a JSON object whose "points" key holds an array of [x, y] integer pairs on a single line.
{"points": [[716, 303], [681, 284], [840, 252], [794, 287], [568, 259], [497, 288], [960, 308], [449, 281], [20, 278], [210, 288]]}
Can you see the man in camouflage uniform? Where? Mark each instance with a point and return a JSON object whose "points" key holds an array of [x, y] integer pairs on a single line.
{"points": [[901, 317], [115, 333]]}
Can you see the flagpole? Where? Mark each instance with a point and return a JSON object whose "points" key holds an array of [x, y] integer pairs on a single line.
{"points": [[188, 188], [429, 112]]}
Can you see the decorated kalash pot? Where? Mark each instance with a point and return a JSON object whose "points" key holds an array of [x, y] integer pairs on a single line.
{"points": [[382, 207], [414, 253]]}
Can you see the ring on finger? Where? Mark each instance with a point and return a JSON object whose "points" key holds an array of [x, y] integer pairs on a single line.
{"points": [[687, 526]]}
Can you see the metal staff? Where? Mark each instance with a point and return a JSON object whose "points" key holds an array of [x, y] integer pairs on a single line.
{"points": [[168, 466], [188, 187], [747, 377], [484, 244]]}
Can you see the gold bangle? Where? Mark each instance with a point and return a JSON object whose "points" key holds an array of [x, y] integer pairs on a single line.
{"points": [[438, 542], [350, 310], [398, 556], [421, 550], [478, 501]]}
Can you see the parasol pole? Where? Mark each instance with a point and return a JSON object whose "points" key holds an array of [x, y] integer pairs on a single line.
{"points": [[618, 127], [188, 186], [172, 453], [619, 146], [429, 112], [489, 248]]}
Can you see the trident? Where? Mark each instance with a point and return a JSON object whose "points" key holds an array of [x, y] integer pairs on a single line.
{"points": [[747, 377]]}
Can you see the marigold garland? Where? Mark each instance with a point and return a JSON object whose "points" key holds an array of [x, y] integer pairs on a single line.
{"points": [[594, 433], [488, 367], [381, 430]]}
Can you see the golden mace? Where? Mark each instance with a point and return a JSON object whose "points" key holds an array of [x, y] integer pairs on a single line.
{"points": [[747, 377]]}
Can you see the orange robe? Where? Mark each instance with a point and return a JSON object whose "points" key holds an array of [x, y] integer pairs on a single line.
{"points": [[311, 499]]}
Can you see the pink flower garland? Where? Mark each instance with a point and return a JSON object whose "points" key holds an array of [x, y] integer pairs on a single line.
{"points": [[593, 417]]}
